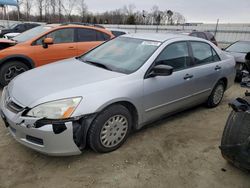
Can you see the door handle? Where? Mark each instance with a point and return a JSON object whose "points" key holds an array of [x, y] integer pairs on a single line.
{"points": [[188, 77], [217, 68], [71, 48]]}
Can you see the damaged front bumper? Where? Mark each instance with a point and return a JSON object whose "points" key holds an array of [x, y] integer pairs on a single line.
{"points": [[51, 137]]}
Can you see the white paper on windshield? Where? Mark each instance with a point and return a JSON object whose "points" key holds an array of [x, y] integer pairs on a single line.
{"points": [[151, 43]]}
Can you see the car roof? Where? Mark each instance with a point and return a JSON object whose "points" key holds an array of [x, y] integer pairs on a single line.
{"points": [[160, 37], [75, 25], [54, 26], [119, 30]]}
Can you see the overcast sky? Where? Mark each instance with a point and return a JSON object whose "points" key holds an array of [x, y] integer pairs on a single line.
{"points": [[228, 11]]}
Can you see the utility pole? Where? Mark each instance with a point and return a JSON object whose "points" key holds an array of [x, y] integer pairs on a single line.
{"points": [[216, 28], [18, 11]]}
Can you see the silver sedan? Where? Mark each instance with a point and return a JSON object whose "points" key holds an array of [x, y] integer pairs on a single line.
{"points": [[97, 99]]}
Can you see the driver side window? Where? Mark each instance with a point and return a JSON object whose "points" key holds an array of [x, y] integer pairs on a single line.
{"points": [[175, 55], [59, 36]]}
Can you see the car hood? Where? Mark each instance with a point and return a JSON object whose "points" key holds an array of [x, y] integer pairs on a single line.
{"points": [[6, 43], [55, 78], [239, 57], [2, 40]]}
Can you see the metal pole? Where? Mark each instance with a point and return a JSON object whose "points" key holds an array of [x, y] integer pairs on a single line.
{"points": [[216, 28], [18, 11]]}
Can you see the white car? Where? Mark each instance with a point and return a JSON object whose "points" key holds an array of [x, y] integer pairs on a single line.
{"points": [[10, 35], [97, 99]]}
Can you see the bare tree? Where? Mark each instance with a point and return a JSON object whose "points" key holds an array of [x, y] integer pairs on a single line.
{"points": [[68, 7], [82, 9], [170, 14], [156, 14], [19, 4], [27, 8], [76, 10], [40, 4], [53, 7], [47, 10], [178, 18], [59, 3]]}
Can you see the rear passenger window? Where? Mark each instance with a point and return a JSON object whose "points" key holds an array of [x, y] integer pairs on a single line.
{"points": [[102, 36], [175, 55], [88, 35], [203, 53]]}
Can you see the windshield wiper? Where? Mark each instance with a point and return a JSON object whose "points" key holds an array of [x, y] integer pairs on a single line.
{"points": [[97, 64]]}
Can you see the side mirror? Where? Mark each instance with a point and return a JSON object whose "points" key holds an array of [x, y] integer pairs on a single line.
{"points": [[248, 56], [47, 42], [161, 70]]}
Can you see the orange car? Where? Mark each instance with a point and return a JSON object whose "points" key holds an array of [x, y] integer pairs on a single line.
{"points": [[46, 44]]}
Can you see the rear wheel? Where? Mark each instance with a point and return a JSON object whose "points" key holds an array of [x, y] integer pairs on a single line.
{"points": [[110, 129], [217, 95], [10, 70]]}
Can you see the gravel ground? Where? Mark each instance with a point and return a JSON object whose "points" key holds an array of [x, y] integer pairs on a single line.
{"points": [[179, 151]]}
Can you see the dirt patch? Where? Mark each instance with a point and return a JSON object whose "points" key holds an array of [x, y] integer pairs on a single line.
{"points": [[180, 151]]}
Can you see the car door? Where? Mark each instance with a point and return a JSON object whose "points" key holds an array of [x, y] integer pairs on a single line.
{"points": [[64, 46], [165, 94], [88, 39], [207, 68]]}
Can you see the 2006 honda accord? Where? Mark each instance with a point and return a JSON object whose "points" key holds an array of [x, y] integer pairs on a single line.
{"points": [[99, 98]]}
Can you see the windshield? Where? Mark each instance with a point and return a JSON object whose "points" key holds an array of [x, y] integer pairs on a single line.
{"points": [[27, 35], [122, 54], [240, 47], [13, 26]]}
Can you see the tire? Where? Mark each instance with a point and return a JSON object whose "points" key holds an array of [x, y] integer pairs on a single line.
{"points": [[236, 132], [10, 70], [238, 78], [110, 129], [237, 128], [217, 95]]}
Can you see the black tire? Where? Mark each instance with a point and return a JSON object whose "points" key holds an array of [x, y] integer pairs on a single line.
{"points": [[236, 131], [211, 102], [94, 134], [238, 78], [10, 70]]}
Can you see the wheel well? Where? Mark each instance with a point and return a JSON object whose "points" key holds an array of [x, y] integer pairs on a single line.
{"points": [[23, 60], [224, 80], [132, 109]]}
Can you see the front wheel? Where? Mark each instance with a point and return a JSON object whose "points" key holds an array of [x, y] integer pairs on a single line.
{"points": [[10, 70], [110, 129], [217, 95]]}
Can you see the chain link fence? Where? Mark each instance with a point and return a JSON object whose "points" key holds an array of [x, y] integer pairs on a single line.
{"points": [[224, 33]]}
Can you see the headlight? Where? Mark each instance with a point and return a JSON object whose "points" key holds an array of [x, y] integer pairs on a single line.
{"points": [[60, 109]]}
